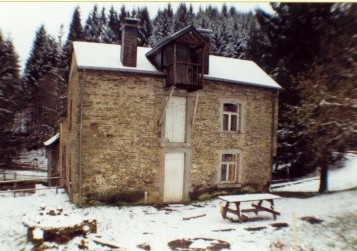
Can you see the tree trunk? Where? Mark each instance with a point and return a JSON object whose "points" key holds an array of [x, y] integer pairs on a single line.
{"points": [[324, 177]]}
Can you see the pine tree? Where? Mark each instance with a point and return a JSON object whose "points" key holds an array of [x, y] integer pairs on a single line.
{"points": [[212, 13], [75, 33], [42, 57], [219, 39], [232, 11], [328, 94], [163, 24], [258, 45], [10, 101], [294, 33], [201, 20], [103, 23], [183, 17], [145, 29], [224, 11], [75, 29], [113, 29], [43, 61], [92, 28], [123, 14], [190, 15], [60, 74], [221, 33], [239, 29], [134, 13]]}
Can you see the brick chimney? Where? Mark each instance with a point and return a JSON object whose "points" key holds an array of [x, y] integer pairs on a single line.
{"points": [[206, 34], [129, 41]]}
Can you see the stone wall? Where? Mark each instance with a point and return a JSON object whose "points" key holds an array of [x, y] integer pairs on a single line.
{"points": [[253, 143], [120, 135], [71, 129]]}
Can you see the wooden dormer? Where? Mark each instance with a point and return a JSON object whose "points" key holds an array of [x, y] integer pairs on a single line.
{"points": [[181, 56]]}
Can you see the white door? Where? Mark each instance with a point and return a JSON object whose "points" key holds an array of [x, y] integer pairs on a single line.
{"points": [[174, 170], [175, 120]]}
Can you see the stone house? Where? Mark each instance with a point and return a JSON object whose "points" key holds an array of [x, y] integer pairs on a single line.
{"points": [[165, 124]]}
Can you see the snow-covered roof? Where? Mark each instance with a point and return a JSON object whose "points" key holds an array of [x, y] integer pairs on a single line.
{"points": [[166, 40], [52, 140], [238, 70], [107, 57]]}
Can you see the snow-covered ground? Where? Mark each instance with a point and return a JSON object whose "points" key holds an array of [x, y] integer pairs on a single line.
{"points": [[130, 226], [339, 179]]}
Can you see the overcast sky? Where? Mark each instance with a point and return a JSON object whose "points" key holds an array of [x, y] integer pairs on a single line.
{"points": [[19, 21]]}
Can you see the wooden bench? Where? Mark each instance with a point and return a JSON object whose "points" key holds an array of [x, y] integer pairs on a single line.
{"points": [[257, 205]]}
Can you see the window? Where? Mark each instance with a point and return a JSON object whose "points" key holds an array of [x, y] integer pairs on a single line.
{"points": [[229, 164], [231, 115]]}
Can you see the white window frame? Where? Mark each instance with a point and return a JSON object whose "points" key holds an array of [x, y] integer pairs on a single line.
{"points": [[240, 115], [237, 163], [228, 165], [230, 118]]}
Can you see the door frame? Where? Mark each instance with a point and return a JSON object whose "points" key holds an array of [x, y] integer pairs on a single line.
{"points": [[186, 171], [177, 185]]}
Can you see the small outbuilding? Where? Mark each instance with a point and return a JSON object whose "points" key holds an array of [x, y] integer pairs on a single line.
{"points": [[52, 154]]}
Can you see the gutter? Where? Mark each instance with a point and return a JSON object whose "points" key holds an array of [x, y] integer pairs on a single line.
{"points": [[273, 129], [207, 77], [81, 93], [127, 70]]}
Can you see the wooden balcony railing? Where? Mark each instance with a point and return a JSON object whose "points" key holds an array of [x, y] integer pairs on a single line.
{"points": [[188, 76]]}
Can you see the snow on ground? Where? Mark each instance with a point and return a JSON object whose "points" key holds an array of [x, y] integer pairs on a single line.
{"points": [[338, 179], [131, 226]]}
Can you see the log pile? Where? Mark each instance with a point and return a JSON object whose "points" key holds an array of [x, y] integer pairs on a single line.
{"points": [[56, 225]]}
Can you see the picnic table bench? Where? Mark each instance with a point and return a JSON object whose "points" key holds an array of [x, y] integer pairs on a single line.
{"points": [[257, 205]]}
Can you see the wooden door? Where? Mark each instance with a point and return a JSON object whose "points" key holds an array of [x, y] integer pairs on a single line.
{"points": [[174, 177], [175, 121]]}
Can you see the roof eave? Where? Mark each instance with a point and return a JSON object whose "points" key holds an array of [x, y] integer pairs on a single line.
{"points": [[157, 73], [171, 38], [163, 74], [243, 83]]}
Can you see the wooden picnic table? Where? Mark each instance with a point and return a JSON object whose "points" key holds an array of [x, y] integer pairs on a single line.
{"points": [[257, 205]]}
